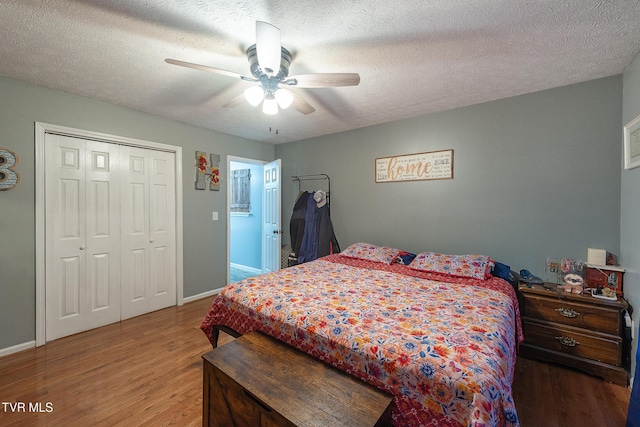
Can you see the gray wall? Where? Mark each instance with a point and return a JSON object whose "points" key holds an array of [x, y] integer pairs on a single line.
{"points": [[536, 175], [630, 207], [205, 253]]}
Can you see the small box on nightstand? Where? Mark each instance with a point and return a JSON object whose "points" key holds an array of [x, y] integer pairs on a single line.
{"points": [[605, 276], [596, 256]]}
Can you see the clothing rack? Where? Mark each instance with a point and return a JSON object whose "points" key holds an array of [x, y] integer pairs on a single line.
{"points": [[314, 177]]}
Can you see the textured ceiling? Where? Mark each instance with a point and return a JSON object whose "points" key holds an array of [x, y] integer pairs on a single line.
{"points": [[414, 56]]}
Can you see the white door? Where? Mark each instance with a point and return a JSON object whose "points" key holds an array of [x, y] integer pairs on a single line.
{"points": [[271, 231], [148, 230], [82, 272]]}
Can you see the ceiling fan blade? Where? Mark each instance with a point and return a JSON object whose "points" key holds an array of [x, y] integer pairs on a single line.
{"points": [[209, 69], [301, 105], [319, 80], [268, 47], [235, 101]]}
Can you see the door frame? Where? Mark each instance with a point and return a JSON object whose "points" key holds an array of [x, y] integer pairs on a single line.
{"points": [[236, 159], [40, 130]]}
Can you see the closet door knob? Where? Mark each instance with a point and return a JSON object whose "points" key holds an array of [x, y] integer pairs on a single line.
{"points": [[82, 247], [150, 240]]}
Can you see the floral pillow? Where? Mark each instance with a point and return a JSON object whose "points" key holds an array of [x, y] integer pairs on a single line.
{"points": [[371, 252], [475, 266]]}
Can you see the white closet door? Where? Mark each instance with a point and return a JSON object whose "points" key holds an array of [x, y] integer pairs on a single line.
{"points": [[82, 235], [162, 230], [148, 274]]}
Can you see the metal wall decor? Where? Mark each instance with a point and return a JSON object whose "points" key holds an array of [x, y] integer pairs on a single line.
{"points": [[9, 178]]}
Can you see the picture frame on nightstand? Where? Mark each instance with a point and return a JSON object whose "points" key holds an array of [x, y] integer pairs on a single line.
{"points": [[632, 144]]}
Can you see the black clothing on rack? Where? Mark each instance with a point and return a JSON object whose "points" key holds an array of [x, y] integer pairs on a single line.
{"points": [[310, 228], [327, 242], [296, 225]]}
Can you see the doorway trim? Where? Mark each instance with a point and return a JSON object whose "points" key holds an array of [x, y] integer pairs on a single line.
{"points": [[40, 130]]}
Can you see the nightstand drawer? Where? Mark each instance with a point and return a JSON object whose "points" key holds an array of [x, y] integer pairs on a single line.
{"points": [[570, 313], [606, 349]]}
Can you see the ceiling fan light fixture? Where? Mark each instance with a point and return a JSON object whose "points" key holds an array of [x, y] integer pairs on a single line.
{"points": [[268, 47], [270, 106], [284, 98], [254, 95], [269, 65]]}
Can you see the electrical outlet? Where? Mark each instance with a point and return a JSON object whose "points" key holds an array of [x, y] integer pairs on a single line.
{"points": [[214, 216]]}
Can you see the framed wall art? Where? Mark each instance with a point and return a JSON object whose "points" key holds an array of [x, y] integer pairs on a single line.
{"points": [[632, 144], [415, 167]]}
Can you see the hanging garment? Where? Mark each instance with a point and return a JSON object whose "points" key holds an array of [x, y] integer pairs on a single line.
{"points": [[296, 224], [327, 242], [309, 246]]}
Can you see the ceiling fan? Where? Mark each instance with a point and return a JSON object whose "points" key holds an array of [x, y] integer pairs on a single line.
{"points": [[269, 65]]}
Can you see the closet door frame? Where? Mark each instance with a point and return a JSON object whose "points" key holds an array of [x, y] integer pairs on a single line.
{"points": [[40, 130]]}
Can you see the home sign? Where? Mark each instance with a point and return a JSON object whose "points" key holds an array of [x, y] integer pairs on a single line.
{"points": [[415, 167]]}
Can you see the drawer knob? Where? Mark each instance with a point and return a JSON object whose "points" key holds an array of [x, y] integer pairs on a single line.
{"points": [[567, 342], [567, 312]]}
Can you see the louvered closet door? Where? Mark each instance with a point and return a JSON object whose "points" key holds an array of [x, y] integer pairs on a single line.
{"points": [[82, 235], [148, 231]]}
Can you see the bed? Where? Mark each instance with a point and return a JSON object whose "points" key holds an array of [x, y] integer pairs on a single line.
{"points": [[440, 334]]}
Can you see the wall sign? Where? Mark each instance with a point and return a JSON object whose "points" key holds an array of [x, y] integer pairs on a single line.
{"points": [[415, 167], [632, 144], [9, 178]]}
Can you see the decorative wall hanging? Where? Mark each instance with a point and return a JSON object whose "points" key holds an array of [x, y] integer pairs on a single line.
{"points": [[207, 171], [415, 167], [240, 191], [9, 178], [201, 170], [214, 182], [632, 144]]}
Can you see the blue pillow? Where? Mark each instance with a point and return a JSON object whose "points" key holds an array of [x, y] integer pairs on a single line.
{"points": [[501, 270], [405, 258]]}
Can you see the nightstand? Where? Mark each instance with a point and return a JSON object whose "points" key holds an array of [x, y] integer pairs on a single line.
{"points": [[576, 330]]}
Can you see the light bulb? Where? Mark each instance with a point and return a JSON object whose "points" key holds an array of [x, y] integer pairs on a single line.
{"points": [[284, 98], [270, 106], [254, 95]]}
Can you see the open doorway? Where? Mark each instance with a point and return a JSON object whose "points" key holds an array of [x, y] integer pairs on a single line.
{"points": [[245, 188], [253, 217]]}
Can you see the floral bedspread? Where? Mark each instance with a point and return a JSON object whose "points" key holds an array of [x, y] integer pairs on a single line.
{"points": [[444, 346]]}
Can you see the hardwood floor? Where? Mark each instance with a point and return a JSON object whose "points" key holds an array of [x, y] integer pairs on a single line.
{"points": [[147, 371]]}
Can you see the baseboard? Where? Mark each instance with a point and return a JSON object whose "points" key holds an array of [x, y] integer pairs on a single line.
{"points": [[246, 268], [17, 348], [207, 294]]}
